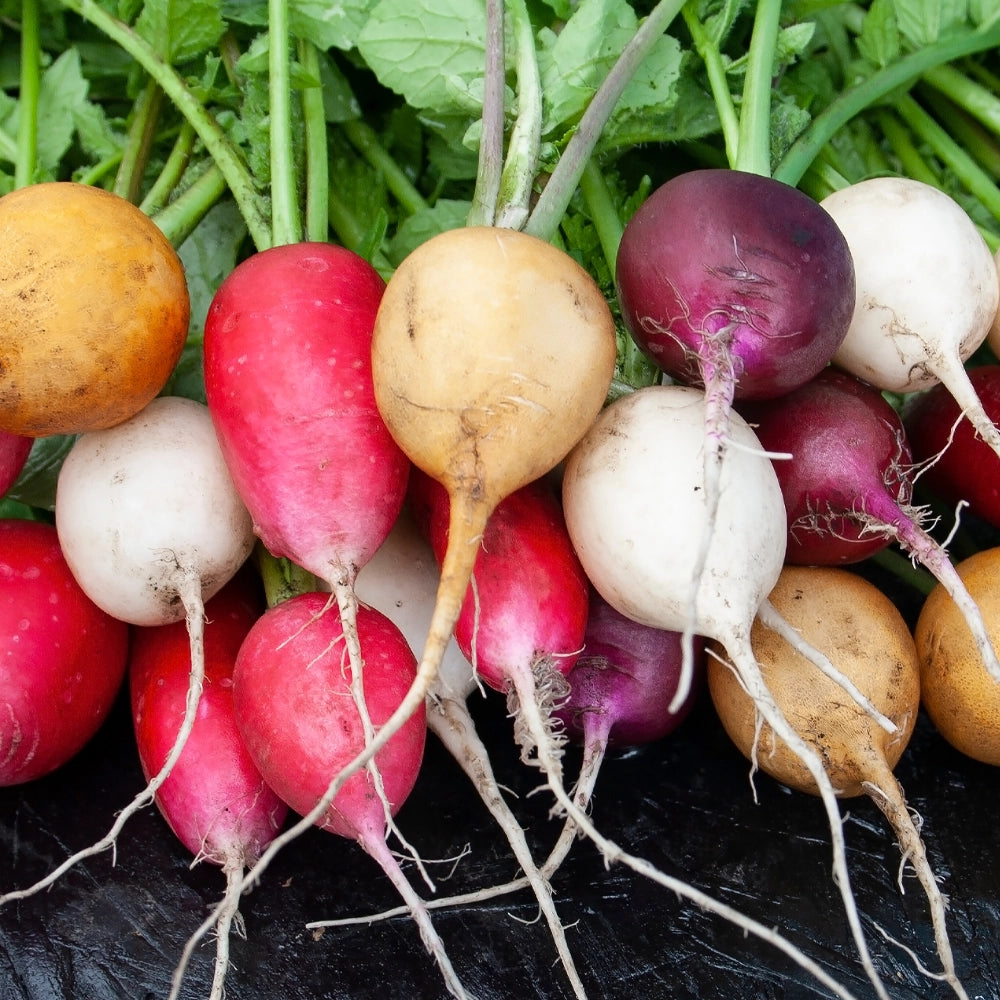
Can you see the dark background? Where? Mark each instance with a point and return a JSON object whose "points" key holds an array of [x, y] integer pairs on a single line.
{"points": [[115, 927]]}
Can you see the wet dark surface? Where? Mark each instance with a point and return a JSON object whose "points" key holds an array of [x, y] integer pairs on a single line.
{"points": [[116, 930]]}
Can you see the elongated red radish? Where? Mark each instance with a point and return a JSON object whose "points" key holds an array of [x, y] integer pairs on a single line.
{"points": [[293, 697], [288, 381], [955, 464], [737, 283], [848, 484], [403, 577], [492, 353], [636, 510], [151, 527], [927, 290], [62, 658], [214, 799], [870, 641]]}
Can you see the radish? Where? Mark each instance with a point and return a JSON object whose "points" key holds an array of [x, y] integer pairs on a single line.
{"points": [[294, 707], [960, 699], [14, 450], [493, 352], [868, 638], [956, 464], [738, 283], [848, 485], [642, 459], [927, 290], [214, 799], [289, 386], [402, 577], [63, 658], [151, 527]]}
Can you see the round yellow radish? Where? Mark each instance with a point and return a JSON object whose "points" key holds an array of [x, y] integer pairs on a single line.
{"points": [[94, 309], [961, 698]]}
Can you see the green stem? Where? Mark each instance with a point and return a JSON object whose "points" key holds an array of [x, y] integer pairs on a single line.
{"points": [[26, 155], [362, 136], [901, 567], [222, 151], [142, 129], [979, 102], [286, 221], [558, 192], [711, 56], [487, 188], [972, 176], [178, 220], [282, 579], [317, 221], [979, 141], [753, 150], [159, 193], [603, 212], [901, 141], [902, 73], [521, 164]]}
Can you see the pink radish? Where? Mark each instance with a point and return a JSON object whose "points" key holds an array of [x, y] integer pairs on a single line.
{"points": [[848, 484], [14, 450], [641, 461], [62, 658], [214, 799], [927, 291], [151, 527], [292, 693], [288, 382]]}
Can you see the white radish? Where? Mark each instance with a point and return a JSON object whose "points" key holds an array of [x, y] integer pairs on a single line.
{"points": [[151, 527], [926, 290], [635, 506]]}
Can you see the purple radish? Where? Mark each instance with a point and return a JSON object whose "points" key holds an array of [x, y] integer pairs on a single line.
{"points": [[848, 484]]}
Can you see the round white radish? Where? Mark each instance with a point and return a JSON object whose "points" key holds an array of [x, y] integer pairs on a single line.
{"points": [[926, 289], [144, 506]]}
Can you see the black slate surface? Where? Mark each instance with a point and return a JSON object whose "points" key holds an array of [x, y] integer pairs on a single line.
{"points": [[115, 930]]}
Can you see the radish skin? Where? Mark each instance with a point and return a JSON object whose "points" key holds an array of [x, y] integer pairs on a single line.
{"points": [[214, 800], [869, 640], [641, 458], [927, 290], [62, 658], [151, 527]]}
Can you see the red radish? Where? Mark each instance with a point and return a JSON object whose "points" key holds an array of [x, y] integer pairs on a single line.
{"points": [[641, 460], [955, 463], [927, 290], [292, 692], [288, 382], [738, 283], [848, 484], [63, 658], [14, 450], [403, 577], [151, 527], [214, 799]]}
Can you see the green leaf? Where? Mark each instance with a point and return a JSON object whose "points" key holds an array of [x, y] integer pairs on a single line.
{"points": [[62, 92], [430, 51], [922, 22], [180, 30], [879, 41], [421, 226], [574, 62], [328, 25]]}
